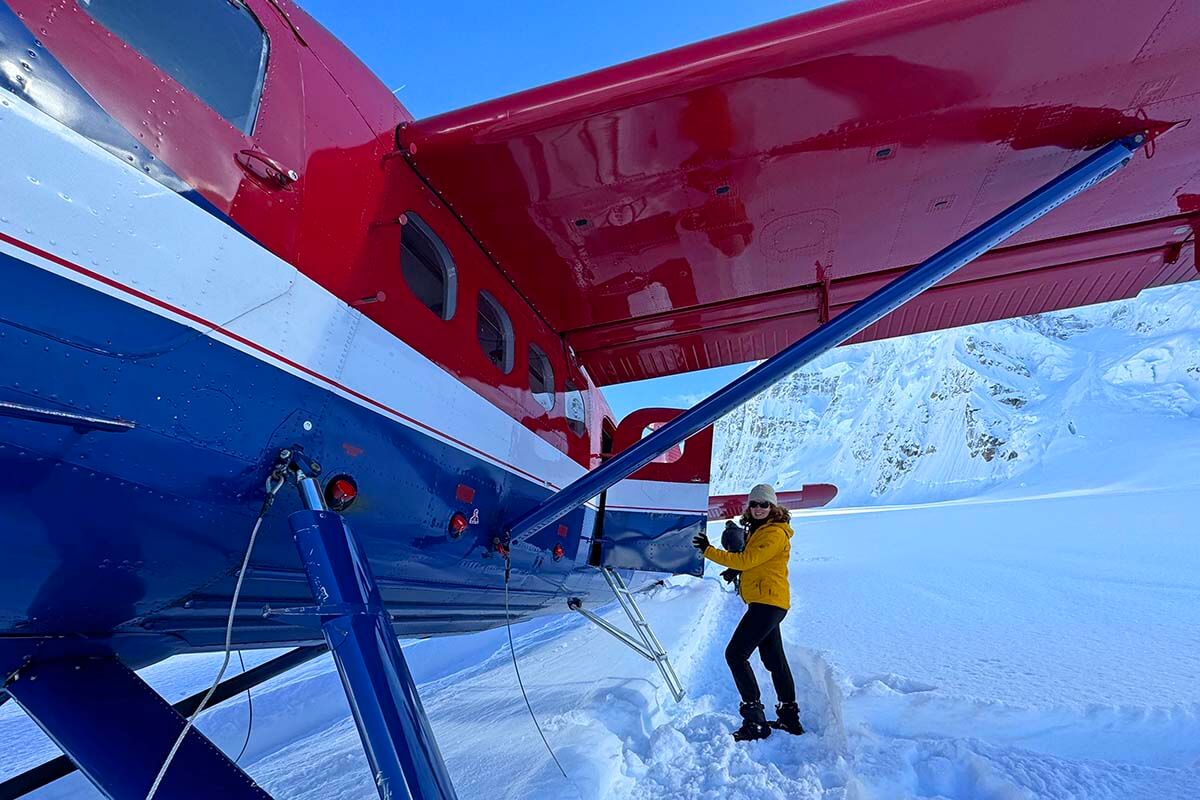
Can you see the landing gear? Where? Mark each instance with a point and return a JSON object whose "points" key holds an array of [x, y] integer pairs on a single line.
{"points": [[119, 731], [395, 732], [44, 774]]}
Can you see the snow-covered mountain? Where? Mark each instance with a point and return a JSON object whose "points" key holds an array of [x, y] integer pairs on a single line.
{"points": [[984, 409]]}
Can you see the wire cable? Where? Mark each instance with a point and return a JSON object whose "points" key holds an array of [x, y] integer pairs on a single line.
{"points": [[521, 683], [273, 485], [250, 719]]}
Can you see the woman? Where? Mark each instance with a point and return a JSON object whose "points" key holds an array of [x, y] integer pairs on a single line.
{"points": [[764, 587]]}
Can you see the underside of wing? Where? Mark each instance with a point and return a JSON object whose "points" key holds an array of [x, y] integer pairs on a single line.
{"points": [[710, 205]]}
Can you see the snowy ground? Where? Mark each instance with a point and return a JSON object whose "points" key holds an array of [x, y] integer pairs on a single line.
{"points": [[998, 649]]}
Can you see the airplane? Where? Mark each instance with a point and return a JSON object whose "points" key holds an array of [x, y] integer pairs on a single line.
{"points": [[283, 366]]}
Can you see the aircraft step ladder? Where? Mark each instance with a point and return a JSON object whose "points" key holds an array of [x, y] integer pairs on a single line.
{"points": [[646, 644]]}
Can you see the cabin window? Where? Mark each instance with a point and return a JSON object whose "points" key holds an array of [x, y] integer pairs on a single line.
{"points": [[213, 48], [541, 377], [427, 266], [495, 332], [576, 410]]}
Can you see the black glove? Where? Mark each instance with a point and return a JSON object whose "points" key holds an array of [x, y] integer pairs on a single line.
{"points": [[730, 575], [700, 542]]}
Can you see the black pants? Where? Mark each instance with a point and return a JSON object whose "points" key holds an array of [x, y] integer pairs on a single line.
{"points": [[759, 628]]}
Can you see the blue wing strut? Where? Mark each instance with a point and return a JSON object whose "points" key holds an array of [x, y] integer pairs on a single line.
{"points": [[1082, 176]]}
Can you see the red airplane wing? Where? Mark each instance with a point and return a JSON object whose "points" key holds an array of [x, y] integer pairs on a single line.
{"points": [[712, 204], [812, 495]]}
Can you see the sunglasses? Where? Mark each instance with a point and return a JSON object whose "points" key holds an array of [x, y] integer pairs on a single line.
{"points": [[757, 504]]}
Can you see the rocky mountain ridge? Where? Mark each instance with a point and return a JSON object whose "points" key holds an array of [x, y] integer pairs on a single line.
{"points": [[960, 413]]}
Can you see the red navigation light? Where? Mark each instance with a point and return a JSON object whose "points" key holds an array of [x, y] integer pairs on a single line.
{"points": [[340, 492], [558, 552], [458, 524]]}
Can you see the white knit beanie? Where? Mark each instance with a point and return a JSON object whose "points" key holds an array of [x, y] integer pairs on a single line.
{"points": [[763, 492]]}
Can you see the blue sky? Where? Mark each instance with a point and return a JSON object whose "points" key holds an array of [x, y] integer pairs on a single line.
{"points": [[450, 54], [454, 53]]}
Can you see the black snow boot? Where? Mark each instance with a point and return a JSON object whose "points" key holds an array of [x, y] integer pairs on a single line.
{"points": [[788, 719], [754, 723]]}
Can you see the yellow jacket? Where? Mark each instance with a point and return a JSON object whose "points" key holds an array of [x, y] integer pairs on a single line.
{"points": [[763, 564]]}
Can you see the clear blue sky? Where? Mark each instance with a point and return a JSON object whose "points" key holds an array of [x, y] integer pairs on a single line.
{"points": [[454, 53]]}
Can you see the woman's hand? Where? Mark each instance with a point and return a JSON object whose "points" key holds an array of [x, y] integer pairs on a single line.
{"points": [[700, 542]]}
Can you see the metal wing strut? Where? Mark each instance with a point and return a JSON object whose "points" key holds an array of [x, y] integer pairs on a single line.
{"points": [[1082, 176]]}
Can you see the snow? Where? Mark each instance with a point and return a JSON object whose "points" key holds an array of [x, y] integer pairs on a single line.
{"points": [[983, 649], [979, 628]]}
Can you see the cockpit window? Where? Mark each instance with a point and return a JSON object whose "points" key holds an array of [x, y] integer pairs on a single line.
{"points": [[213, 48]]}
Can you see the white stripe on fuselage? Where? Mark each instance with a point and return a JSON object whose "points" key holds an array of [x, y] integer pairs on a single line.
{"points": [[66, 196]]}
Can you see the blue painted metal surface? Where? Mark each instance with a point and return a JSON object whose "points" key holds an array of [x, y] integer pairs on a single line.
{"points": [[651, 543], [188, 481], [395, 732], [54, 417], [118, 731], [46, 773], [1084, 175]]}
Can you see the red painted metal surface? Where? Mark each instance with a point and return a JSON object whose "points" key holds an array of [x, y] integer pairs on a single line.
{"points": [[689, 464], [324, 115], [1028, 279], [703, 206], [811, 495]]}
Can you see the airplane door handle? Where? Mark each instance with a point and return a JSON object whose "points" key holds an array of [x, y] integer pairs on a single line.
{"points": [[262, 166]]}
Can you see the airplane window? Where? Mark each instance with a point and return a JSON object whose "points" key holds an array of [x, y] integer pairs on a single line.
{"points": [[213, 48], [427, 266], [495, 332], [541, 377], [576, 410]]}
